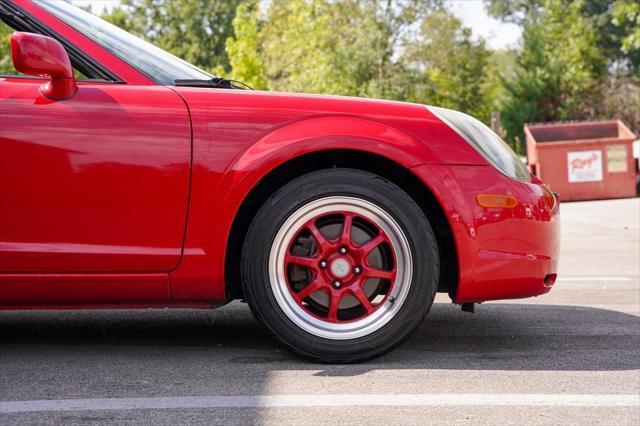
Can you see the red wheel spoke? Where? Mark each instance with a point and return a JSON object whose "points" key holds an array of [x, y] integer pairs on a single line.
{"points": [[339, 265], [364, 301], [334, 303], [370, 272], [321, 240], [302, 261], [311, 288], [345, 238], [370, 245]]}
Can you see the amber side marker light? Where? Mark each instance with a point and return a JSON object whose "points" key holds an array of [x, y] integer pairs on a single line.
{"points": [[496, 200]]}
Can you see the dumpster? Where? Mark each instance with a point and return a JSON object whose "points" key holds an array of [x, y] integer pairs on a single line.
{"points": [[583, 160]]}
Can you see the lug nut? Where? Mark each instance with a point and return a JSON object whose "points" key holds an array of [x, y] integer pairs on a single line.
{"points": [[337, 284], [357, 270], [343, 250], [323, 264]]}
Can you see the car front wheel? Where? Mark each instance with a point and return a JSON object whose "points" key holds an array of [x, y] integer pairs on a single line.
{"points": [[341, 265]]}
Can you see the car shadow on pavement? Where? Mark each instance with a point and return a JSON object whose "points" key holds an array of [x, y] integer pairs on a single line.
{"points": [[148, 353], [497, 337]]}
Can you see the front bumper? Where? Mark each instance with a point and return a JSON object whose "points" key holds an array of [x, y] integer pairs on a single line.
{"points": [[503, 253]]}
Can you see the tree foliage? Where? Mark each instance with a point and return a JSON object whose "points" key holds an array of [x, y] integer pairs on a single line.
{"points": [[447, 67], [558, 62], [323, 46], [6, 64], [245, 52], [363, 48], [315, 46], [626, 16], [611, 97], [616, 21], [194, 30]]}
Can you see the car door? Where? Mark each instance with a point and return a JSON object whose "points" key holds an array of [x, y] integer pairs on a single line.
{"points": [[96, 183]]}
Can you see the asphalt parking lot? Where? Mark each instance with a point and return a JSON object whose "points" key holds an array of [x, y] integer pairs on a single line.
{"points": [[571, 357]]}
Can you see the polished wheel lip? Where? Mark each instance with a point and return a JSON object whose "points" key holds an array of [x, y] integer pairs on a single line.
{"points": [[343, 330]]}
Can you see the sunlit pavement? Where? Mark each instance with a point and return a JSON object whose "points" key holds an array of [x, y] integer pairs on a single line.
{"points": [[572, 356]]}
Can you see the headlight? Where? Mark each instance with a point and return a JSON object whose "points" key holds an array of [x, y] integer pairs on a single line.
{"points": [[485, 141]]}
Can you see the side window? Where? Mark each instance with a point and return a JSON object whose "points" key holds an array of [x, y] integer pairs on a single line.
{"points": [[6, 64]]}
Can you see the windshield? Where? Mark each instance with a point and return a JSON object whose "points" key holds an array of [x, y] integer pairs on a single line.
{"points": [[155, 63]]}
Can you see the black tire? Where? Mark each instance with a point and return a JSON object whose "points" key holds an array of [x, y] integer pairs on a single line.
{"points": [[352, 183]]}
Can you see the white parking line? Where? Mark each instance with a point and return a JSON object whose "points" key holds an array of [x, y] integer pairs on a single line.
{"points": [[595, 279], [272, 401]]}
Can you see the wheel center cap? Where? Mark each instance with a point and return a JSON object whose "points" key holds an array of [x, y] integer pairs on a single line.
{"points": [[340, 268]]}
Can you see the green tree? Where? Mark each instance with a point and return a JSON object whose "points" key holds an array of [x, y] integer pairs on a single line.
{"points": [[347, 47], [612, 97], [245, 53], [626, 16], [397, 26], [513, 11], [320, 46], [299, 45], [501, 65], [616, 21], [6, 64], [194, 30], [447, 66], [559, 61]]}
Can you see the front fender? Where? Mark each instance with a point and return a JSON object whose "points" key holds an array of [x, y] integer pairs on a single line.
{"points": [[200, 276], [218, 193], [314, 135], [330, 132]]}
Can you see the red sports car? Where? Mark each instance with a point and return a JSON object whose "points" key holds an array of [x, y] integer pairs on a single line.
{"points": [[130, 178]]}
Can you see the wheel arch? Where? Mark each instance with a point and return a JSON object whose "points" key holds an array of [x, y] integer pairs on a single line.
{"points": [[340, 158]]}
